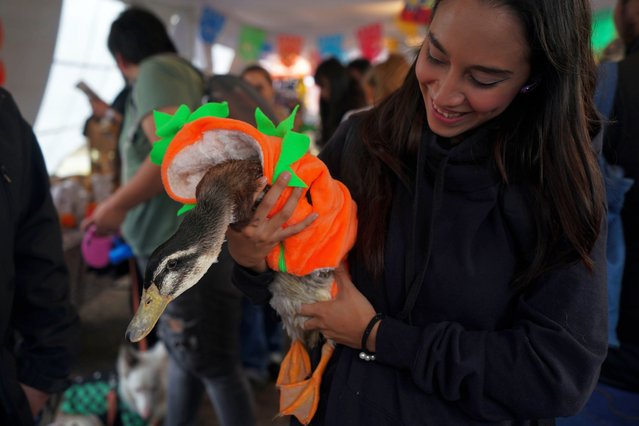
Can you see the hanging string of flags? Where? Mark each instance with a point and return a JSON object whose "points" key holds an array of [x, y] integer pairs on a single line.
{"points": [[254, 42]]}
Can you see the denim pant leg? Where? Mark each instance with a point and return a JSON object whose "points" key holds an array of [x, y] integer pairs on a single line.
{"points": [[228, 394], [253, 342], [201, 329], [273, 330], [184, 396]]}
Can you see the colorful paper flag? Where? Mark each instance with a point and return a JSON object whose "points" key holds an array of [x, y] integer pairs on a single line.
{"points": [[331, 46], [370, 40], [289, 47], [417, 11], [211, 24], [251, 42]]}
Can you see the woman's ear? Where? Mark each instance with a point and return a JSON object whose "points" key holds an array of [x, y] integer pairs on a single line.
{"points": [[530, 86]]}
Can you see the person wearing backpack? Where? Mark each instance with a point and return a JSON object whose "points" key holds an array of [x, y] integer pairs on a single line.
{"points": [[201, 328]]}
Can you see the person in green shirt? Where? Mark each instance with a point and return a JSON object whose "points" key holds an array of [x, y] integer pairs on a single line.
{"points": [[201, 329]]}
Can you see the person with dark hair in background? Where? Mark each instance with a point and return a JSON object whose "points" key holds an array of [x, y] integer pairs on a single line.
{"points": [[260, 79], [381, 80], [358, 68], [477, 286], [39, 327], [384, 78], [203, 356], [339, 93]]}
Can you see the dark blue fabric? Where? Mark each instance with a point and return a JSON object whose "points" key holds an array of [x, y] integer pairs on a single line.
{"points": [[608, 406], [616, 187], [606, 86]]}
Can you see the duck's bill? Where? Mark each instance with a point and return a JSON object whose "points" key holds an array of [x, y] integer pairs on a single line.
{"points": [[152, 304]]}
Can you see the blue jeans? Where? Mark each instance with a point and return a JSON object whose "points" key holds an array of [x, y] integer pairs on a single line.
{"points": [[227, 392], [608, 406], [260, 334], [201, 330]]}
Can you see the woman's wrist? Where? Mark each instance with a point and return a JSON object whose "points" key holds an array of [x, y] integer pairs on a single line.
{"points": [[369, 338], [371, 342]]}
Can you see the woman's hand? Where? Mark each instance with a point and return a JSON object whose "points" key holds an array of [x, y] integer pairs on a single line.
{"points": [[344, 318], [250, 246], [107, 217]]}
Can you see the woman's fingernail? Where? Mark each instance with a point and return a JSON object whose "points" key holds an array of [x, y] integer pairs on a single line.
{"points": [[314, 216], [286, 176]]}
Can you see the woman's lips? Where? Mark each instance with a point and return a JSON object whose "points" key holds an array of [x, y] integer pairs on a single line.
{"points": [[447, 116]]}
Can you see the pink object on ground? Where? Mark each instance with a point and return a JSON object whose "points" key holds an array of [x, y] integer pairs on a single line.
{"points": [[95, 248]]}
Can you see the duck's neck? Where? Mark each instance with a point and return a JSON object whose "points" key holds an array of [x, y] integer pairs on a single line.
{"points": [[224, 196]]}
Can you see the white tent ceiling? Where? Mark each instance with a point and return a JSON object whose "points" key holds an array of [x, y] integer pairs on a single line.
{"points": [[310, 17], [30, 26]]}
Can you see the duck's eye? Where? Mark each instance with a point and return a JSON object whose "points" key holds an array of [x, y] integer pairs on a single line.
{"points": [[171, 264]]}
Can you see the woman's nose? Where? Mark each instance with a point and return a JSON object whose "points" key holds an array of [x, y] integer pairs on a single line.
{"points": [[448, 92]]}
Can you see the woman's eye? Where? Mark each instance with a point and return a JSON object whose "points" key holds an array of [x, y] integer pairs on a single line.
{"points": [[171, 264], [433, 59], [484, 83]]}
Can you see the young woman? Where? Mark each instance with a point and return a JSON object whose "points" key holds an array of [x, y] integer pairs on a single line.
{"points": [[481, 239]]}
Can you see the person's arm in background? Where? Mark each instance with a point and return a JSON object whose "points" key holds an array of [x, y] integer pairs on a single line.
{"points": [[144, 185], [43, 317], [156, 89]]}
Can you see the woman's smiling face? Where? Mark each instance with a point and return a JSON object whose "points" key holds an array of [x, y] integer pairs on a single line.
{"points": [[471, 66]]}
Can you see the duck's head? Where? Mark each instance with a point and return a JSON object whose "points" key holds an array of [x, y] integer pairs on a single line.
{"points": [[225, 196]]}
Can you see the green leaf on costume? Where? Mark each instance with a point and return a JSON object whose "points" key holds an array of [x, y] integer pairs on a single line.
{"points": [[160, 118], [172, 126], [287, 124], [159, 150], [294, 146], [185, 208], [167, 125], [264, 124], [212, 109]]}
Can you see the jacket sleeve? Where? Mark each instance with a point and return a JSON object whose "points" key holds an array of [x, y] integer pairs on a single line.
{"points": [[253, 285], [545, 365], [46, 322]]}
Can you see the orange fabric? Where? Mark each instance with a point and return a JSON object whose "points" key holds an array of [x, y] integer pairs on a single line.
{"points": [[325, 242]]}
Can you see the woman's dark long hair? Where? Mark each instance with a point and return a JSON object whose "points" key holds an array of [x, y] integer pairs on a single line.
{"points": [[543, 141], [345, 95]]}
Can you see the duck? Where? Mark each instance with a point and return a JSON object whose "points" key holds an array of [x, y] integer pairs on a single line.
{"points": [[213, 164]]}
